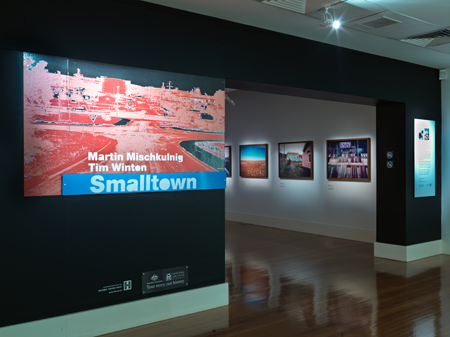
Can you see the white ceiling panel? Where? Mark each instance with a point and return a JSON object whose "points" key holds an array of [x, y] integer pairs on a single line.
{"points": [[301, 6], [347, 12], [445, 48]]}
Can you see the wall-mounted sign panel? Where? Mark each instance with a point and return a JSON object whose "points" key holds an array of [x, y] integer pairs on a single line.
{"points": [[424, 158], [90, 118], [165, 279], [83, 184]]}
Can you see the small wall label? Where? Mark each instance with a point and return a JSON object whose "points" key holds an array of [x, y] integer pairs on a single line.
{"points": [[164, 279]]}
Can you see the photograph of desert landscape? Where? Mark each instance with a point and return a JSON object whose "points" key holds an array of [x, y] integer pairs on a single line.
{"points": [[253, 161]]}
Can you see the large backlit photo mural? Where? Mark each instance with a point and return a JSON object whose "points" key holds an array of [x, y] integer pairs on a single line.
{"points": [[95, 120]]}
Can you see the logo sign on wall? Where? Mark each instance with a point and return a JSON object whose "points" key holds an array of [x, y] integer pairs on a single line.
{"points": [[424, 158], [120, 125], [164, 279]]}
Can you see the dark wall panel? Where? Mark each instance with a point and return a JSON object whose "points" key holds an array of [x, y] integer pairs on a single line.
{"points": [[57, 252], [32, 230], [114, 238], [391, 182]]}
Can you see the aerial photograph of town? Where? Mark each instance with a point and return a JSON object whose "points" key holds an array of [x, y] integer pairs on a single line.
{"points": [[82, 117]]}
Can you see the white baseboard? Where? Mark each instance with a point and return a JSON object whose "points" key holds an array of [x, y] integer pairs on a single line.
{"points": [[408, 253], [408, 270], [348, 233], [446, 247], [118, 317]]}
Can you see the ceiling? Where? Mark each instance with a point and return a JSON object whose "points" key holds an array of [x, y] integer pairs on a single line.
{"points": [[406, 40]]}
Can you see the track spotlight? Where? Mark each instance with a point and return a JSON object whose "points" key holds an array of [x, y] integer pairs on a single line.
{"points": [[328, 20]]}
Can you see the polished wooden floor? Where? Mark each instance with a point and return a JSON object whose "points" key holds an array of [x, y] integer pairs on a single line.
{"points": [[284, 283]]}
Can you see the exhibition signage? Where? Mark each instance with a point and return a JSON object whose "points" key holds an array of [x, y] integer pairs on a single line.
{"points": [[424, 158], [82, 184], [165, 279], [93, 119]]}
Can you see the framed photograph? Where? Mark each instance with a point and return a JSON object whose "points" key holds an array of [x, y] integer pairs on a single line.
{"points": [[253, 161], [348, 159], [295, 160], [228, 160]]}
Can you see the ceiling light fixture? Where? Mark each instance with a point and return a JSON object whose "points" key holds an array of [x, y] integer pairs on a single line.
{"points": [[328, 20]]}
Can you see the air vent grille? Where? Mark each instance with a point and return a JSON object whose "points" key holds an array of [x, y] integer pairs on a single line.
{"points": [[379, 23], [418, 42], [301, 6], [437, 38], [298, 6], [434, 35]]}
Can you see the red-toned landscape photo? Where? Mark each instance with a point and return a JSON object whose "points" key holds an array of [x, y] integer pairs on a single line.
{"points": [[83, 117], [253, 161]]}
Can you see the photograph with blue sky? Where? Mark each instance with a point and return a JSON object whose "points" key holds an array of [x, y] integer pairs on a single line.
{"points": [[253, 152]]}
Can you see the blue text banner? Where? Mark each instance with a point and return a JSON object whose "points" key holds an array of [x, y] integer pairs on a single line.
{"points": [[85, 184]]}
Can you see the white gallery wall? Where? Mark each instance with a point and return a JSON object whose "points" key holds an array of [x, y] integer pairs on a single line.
{"points": [[345, 209]]}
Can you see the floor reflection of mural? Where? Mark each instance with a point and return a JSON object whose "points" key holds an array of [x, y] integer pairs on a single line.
{"points": [[254, 285], [72, 108], [349, 315], [297, 299]]}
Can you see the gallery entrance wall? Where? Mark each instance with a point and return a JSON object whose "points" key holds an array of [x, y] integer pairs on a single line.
{"points": [[49, 239], [269, 118], [85, 252]]}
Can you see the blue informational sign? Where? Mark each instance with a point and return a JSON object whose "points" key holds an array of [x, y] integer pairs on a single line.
{"points": [[85, 184], [424, 158]]}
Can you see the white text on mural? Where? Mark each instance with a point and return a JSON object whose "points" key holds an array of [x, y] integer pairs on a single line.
{"points": [[133, 156]]}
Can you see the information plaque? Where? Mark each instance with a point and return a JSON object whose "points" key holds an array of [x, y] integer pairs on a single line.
{"points": [[164, 279], [424, 158]]}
